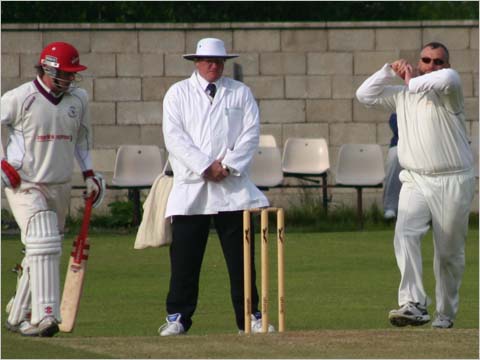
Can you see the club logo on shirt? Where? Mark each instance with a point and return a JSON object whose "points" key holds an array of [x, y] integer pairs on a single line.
{"points": [[53, 137], [72, 111]]}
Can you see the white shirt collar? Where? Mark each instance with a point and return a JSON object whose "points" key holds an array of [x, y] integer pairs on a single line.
{"points": [[203, 83], [47, 89]]}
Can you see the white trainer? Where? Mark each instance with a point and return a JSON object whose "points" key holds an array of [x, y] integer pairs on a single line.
{"points": [[13, 328], [389, 214], [442, 322], [257, 324], [45, 328], [173, 326], [409, 314]]}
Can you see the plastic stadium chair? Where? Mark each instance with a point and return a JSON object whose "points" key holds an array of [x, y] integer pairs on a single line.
{"points": [[136, 168], [138, 165], [305, 158], [267, 140], [359, 166], [266, 167]]}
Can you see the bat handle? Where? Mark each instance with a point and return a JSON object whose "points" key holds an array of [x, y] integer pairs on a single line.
{"points": [[82, 237], [87, 214]]}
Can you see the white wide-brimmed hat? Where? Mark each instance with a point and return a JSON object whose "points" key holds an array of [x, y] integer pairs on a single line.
{"points": [[210, 48]]}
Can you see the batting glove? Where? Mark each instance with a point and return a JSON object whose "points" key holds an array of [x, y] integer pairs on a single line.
{"points": [[10, 176], [95, 184]]}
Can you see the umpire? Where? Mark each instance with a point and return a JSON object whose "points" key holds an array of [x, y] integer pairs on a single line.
{"points": [[211, 130]]}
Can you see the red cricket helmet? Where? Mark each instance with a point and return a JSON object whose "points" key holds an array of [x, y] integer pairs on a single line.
{"points": [[61, 56]]}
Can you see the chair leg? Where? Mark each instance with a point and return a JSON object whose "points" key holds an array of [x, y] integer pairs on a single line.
{"points": [[325, 193], [134, 195], [359, 207]]}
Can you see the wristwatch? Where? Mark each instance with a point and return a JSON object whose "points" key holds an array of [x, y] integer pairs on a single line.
{"points": [[226, 168]]}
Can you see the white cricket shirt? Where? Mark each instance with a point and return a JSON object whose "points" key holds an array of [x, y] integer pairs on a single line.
{"points": [[46, 132], [431, 119]]}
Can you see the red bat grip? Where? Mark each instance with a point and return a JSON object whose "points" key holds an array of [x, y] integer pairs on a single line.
{"points": [[82, 237]]}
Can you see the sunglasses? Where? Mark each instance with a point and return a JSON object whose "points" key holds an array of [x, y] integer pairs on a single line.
{"points": [[427, 60]]}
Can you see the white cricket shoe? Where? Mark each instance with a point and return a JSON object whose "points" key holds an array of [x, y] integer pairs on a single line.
{"points": [[22, 323], [45, 328], [13, 328], [389, 214], [173, 326], [442, 322], [409, 314], [257, 324]]}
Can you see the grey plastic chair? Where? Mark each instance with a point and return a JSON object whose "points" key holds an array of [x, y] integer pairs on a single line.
{"points": [[360, 166], [266, 167], [138, 165], [136, 168], [307, 159], [305, 156], [267, 140]]}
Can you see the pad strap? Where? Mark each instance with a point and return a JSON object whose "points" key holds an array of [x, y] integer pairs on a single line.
{"points": [[21, 307]]}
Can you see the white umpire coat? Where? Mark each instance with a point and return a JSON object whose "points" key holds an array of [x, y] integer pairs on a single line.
{"points": [[197, 131]]}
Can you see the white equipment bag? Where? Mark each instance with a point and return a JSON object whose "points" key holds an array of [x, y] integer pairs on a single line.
{"points": [[155, 230]]}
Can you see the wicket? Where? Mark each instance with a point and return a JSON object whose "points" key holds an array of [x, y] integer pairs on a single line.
{"points": [[247, 267]]}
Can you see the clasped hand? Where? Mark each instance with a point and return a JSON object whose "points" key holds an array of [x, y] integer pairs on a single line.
{"points": [[215, 172], [404, 69]]}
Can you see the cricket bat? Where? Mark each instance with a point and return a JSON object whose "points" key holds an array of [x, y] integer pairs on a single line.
{"points": [[77, 265]]}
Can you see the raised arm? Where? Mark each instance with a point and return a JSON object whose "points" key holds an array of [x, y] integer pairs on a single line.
{"points": [[377, 91], [446, 82]]}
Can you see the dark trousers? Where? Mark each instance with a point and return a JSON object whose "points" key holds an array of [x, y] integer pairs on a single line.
{"points": [[190, 235]]}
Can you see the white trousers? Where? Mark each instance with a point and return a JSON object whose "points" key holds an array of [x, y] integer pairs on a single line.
{"points": [[32, 198], [444, 201], [40, 212]]}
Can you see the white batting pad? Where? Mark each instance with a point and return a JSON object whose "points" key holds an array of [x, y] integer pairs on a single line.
{"points": [[20, 306], [43, 245]]}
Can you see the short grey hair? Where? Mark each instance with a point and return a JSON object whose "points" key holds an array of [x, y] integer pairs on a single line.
{"points": [[436, 45]]}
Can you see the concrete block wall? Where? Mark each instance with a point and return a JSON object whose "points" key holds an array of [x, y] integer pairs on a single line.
{"points": [[303, 75]]}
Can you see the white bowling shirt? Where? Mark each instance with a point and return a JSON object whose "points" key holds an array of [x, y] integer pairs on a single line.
{"points": [[198, 131], [46, 132], [431, 119]]}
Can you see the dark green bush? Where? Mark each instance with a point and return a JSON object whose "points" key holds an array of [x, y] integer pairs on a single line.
{"points": [[233, 11]]}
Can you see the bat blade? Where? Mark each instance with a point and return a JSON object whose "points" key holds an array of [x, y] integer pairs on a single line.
{"points": [[72, 292], [74, 280]]}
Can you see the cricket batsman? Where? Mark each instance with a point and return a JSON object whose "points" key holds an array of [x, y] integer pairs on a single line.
{"points": [[48, 126], [438, 182]]}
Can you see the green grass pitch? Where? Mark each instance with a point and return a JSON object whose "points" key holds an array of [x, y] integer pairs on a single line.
{"points": [[339, 289]]}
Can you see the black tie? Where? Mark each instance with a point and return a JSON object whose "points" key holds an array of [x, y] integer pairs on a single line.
{"points": [[211, 89]]}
